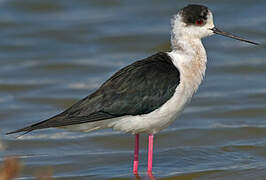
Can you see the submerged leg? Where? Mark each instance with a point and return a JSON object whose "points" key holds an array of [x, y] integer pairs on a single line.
{"points": [[150, 151], [136, 155]]}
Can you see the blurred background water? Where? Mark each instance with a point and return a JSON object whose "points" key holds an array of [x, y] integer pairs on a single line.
{"points": [[53, 53]]}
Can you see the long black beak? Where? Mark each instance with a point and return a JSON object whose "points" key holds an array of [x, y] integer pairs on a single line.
{"points": [[217, 31]]}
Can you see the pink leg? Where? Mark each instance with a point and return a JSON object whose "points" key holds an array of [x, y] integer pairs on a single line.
{"points": [[150, 151], [136, 155]]}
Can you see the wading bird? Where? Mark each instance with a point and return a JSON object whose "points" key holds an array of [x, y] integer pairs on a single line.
{"points": [[148, 95]]}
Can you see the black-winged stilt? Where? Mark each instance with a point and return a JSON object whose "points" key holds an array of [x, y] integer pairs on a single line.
{"points": [[148, 95]]}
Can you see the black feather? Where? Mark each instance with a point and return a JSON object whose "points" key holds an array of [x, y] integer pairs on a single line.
{"points": [[137, 89]]}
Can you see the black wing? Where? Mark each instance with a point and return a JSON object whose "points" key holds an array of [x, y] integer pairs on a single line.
{"points": [[136, 89]]}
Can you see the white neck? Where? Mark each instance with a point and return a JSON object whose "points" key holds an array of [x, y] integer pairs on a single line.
{"points": [[187, 45], [188, 55]]}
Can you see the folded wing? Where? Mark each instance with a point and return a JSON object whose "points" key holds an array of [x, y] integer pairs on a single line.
{"points": [[137, 89]]}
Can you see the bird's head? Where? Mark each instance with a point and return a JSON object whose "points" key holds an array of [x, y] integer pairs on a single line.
{"points": [[196, 22]]}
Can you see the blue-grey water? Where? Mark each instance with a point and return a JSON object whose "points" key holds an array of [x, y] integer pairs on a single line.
{"points": [[53, 53]]}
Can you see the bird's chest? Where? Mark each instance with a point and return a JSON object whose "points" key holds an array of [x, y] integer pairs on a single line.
{"points": [[191, 75], [171, 110]]}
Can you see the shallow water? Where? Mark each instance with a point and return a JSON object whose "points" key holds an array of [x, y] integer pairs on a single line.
{"points": [[53, 53]]}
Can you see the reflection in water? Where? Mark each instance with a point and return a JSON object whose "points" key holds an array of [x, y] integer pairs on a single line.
{"points": [[151, 177], [137, 177]]}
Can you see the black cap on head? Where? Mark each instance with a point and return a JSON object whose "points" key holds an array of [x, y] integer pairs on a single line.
{"points": [[194, 12]]}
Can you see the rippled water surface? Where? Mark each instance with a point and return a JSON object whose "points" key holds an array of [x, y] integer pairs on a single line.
{"points": [[53, 53]]}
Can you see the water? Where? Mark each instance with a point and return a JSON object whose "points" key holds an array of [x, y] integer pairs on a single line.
{"points": [[53, 53]]}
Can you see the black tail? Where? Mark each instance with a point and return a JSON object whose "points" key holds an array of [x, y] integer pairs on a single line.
{"points": [[27, 129], [51, 122], [63, 120], [40, 125]]}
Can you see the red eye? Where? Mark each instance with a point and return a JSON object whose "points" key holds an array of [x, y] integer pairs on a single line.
{"points": [[199, 22]]}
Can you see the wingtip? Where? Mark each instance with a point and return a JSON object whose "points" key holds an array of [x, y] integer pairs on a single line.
{"points": [[27, 129], [12, 132], [8, 133]]}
